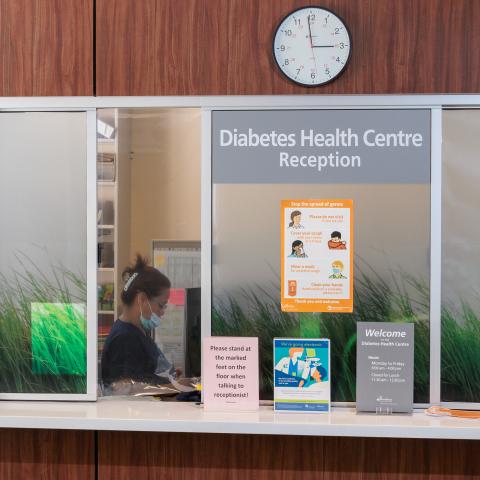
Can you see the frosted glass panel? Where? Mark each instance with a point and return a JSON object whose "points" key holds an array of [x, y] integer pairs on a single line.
{"points": [[43, 252], [461, 257]]}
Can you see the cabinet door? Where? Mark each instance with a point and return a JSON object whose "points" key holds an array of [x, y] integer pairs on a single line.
{"points": [[47, 47], [47, 454]]}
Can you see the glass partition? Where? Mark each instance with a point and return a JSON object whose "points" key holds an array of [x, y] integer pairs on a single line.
{"points": [[392, 240], [43, 253], [460, 257], [148, 177]]}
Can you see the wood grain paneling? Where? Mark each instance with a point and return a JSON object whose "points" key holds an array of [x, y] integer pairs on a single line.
{"points": [[47, 47], [126, 455], [405, 459], [47, 454], [223, 47], [149, 456]]}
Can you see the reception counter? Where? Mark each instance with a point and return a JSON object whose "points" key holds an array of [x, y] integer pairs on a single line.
{"points": [[143, 438], [149, 415]]}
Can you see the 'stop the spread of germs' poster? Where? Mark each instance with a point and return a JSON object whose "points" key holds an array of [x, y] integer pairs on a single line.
{"points": [[317, 255]]}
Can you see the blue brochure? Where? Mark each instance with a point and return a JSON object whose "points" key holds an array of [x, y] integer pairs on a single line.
{"points": [[301, 374]]}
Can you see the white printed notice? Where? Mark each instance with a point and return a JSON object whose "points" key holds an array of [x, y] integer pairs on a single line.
{"points": [[317, 255], [230, 373]]}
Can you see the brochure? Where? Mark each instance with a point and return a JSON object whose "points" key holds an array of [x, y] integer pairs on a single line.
{"points": [[301, 374]]}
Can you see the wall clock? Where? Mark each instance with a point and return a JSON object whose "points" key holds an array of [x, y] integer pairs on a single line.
{"points": [[312, 46]]}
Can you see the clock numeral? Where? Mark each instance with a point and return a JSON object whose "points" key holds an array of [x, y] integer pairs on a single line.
{"points": [[337, 30], [338, 59], [312, 75], [287, 62], [297, 22], [312, 17], [288, 33], [282, 48], [342, 45], [327, 71]]}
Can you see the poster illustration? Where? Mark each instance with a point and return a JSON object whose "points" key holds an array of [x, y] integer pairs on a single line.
{"points": [[317, 255], [301, 374]]}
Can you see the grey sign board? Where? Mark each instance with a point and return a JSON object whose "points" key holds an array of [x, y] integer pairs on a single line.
{"points": [[385, 367], [321, 146]]}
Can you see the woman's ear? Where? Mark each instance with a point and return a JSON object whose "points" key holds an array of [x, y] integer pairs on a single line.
{"points": [[140, 298]]}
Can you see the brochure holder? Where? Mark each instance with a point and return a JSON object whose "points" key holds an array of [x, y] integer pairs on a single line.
{"points": [[383, 410]]}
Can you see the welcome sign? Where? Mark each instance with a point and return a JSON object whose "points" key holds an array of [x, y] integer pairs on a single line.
{"points": [[385, 367]]}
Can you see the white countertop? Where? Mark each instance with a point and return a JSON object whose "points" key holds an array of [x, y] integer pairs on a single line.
{"points": [[155, 416]]}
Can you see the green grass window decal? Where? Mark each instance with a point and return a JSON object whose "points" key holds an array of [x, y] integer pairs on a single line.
{"points": [[59, 339], [42, 327], [375, 300]]}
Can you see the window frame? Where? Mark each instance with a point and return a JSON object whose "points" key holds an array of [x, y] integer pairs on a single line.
{"points": [[436, 103], [435, 226], [91, 255]]}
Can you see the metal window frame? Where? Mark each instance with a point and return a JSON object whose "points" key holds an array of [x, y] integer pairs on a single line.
{"points": [[436, 103], [435, 228]]}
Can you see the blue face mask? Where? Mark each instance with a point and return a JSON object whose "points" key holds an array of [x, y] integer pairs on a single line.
{"points": [[152, 322], [336, 270]]}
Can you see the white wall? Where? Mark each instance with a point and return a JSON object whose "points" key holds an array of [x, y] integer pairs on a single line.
{"points": [[165, 176]]}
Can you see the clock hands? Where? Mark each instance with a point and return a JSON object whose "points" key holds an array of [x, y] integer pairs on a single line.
{"points": [[311, 37], [311, 44], [310, 31]]}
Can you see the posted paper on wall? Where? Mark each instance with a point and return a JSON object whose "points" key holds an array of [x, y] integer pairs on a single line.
{"points": [[301, 374], [317, 255]]}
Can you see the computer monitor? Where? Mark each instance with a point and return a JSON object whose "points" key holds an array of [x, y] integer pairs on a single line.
{"points": [[193, 332]]}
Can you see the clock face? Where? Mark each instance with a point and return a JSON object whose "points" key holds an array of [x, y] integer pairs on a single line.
{"points": [[312, 46]]}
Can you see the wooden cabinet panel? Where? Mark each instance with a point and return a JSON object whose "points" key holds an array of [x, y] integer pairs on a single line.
{"points": [[149, 456], [126, 455], [47, 47], [47, 454], [223, 47], [70, 455], [405, 459]]}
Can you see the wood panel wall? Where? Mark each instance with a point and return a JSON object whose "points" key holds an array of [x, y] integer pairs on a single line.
{"points": [[223, 47], [46, 47], [72, 455], [47, 454], [149, 456]]}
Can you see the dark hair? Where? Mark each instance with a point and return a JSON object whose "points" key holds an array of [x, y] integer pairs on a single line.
{"points": [[294, 214], [141, 277], [296, 243], [336, 234]]}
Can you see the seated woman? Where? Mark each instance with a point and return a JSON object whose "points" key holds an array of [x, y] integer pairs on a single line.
{"points": [[129, 352]]}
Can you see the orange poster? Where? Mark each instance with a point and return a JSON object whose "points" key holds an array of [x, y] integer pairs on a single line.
{"points": [[317, 255]]}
